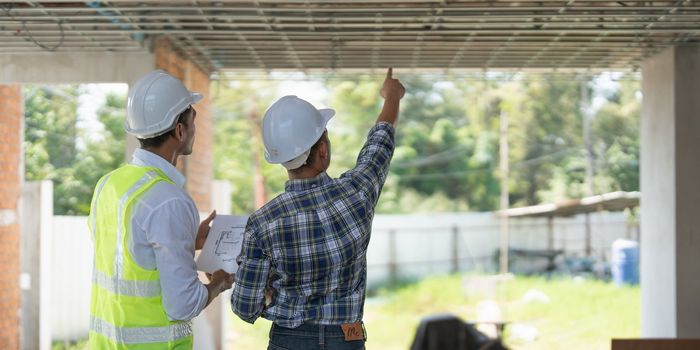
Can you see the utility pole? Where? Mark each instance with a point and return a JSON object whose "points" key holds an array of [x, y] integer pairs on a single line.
{"points": [[586, 115], [256, 137], [503, 168]]}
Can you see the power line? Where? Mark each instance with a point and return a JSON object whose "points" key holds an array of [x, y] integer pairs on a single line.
{"points": [[432, 159], [490, 169], [539, 159]]}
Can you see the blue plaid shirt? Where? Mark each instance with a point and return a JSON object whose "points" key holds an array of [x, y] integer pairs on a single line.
{"points": [[310, 244]]}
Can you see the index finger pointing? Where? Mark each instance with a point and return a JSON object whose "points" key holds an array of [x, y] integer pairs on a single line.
{"points": [[389, 72]]}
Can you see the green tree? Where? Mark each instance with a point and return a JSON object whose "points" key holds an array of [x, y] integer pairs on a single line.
{"points": [[616, 129], [545, 138], [447, 151], [357, 104], [103, 152], [237, 111], [50, 140], [50, 129], [57, 149], [440, 153]]}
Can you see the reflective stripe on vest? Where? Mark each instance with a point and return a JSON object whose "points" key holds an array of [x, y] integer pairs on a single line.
{"points": [[119, 254], [143, 289], [139, 335], [93, 219]]}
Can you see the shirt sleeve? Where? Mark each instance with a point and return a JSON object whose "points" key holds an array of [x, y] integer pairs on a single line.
{"points": [[373, 161], [171, 228], [253, 270]]}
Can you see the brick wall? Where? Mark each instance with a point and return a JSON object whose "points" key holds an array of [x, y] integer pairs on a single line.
{"points": [[198, 167], [11, 118]]}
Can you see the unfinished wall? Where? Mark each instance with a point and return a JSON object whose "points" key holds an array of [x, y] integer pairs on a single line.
{"points": [[11, 109], [198, 167]]}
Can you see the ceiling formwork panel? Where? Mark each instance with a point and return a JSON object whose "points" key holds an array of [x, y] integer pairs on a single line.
{"points": [[364, 34]]}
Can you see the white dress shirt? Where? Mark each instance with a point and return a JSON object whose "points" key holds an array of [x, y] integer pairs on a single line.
{"points": [[164, 225]]}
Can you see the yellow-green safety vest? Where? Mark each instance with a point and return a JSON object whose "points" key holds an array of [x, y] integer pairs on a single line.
{"points": [[126, 310]]}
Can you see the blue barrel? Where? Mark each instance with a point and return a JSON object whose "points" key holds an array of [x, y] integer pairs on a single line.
{"points": [[625, 262]]}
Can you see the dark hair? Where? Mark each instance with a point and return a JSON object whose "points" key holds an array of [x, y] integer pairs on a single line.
{"points": [[159, 140], [314, 148]]}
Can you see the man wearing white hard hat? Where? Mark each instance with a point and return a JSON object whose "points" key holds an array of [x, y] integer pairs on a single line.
{"points": [[303, 264], [145, 229]]}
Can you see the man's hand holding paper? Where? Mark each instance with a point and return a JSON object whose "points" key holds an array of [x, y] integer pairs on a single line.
{"points": [[222, 243]]}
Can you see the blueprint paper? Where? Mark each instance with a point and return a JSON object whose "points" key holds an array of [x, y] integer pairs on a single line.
{"points": [[223, 244]]}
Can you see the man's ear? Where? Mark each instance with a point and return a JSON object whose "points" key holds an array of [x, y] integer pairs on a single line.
{"points": [[179, 131], [323, 150]]}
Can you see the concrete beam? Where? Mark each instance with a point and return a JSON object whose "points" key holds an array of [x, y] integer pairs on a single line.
{"points": [[78, 68], [670, 224], [66, 67]]}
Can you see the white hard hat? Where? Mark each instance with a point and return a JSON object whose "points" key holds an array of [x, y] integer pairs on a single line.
{"points": [[154, 103], [291, 126]]}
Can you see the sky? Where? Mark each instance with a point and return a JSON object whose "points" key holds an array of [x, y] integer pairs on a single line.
{"points": [[92, 98]]}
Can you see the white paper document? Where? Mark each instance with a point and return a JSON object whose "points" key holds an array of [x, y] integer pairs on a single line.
{"points": [[223, 244]]}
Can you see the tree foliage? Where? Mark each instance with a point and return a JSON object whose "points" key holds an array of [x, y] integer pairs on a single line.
{"points": [[237, 112], [57, 149], [447, 153]]}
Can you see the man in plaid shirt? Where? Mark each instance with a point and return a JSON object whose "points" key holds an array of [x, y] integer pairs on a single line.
{"points": [[305, 251]]}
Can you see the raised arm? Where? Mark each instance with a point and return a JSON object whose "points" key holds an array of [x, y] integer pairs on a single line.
{"points": [[392, 91], [373, 161]]}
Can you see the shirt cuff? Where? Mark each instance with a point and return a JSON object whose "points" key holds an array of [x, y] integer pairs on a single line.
{"points": [[386, 126], [204, 297], [182, 312]]}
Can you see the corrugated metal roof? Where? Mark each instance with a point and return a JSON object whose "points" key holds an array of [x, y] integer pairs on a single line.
{"points": [[309, 34], [613, 201]]}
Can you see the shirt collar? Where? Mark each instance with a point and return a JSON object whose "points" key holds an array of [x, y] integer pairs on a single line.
{"points": [[308, 183], [143, 157]]}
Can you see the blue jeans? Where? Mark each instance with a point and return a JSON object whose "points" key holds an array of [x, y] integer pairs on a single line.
{"points": [[311, 337]]}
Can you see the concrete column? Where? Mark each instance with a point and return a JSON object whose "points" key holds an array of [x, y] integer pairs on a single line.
{"points": [[670, 218], [11, 176]]}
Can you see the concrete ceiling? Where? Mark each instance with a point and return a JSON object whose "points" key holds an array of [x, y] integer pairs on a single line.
{"points": [[361, 34]]}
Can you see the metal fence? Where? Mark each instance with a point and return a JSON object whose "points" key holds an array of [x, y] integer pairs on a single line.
{"points": [[401, 247], [413, 246]]}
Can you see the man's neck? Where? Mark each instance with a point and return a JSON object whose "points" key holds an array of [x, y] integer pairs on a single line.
{"points": [[167, 153], [304, 173]]}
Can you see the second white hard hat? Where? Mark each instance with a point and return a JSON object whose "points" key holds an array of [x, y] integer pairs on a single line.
{"points": [[291, 126], [154, 102]]}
